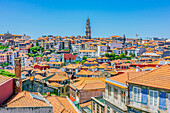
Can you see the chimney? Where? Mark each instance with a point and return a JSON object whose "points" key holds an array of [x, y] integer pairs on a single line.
{"points": [[17, 67], [18, 81]]}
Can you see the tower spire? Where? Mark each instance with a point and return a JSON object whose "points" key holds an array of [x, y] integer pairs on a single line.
{"points": [[88, 29]]}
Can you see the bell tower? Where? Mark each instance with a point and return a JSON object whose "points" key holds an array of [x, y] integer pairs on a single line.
{"points": [[88, 29]]}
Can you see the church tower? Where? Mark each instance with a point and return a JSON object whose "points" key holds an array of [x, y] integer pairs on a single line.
{"points": [[88, 29]]}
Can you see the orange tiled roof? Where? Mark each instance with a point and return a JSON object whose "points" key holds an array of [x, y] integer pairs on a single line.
{"points": [[85, 104], [55, 84], [158, 78], [60, 104], [24, 99], [58, 77], [83, 72], [86, 83], [3, 79], [122, 78]]}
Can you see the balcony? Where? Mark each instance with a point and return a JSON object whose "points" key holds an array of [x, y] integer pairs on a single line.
{"points": [[138, 105], [114, 102]]}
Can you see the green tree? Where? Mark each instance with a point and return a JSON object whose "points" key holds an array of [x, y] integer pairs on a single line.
{"points": [[116, 57], [77, 62], [112, 55], [84, 57], [48, 60], [112, 58], [127, 62], [106, 54], [6, 73], [6, 64], [122, 55], [5, 50], [82, 62], [126, 52], [42, 49], [36, 43]]}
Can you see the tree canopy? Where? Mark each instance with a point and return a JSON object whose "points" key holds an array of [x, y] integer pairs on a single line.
{"points": [[84, 57], [6, 73], [113, 56]]}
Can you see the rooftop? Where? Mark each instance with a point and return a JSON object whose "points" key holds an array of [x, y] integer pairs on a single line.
{"points": [[158, 78], [60, 104], [88, 83], [27, 99], [3, 79]]}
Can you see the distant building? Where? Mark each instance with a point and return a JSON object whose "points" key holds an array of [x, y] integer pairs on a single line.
{"points": [[26, 37], [9, 36], [69, 58], [87, 53]]}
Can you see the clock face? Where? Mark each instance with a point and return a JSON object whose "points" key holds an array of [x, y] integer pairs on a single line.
{"points": [[17, 84]]}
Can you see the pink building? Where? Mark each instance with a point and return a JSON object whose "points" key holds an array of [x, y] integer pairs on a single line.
{"points": [[3, 58], [6, 88]]}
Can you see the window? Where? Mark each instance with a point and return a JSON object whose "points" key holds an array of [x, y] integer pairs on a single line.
{"points": [[136, 95], [97, 108], [109, 90], [153, 98], [115, 93], [123, 96], [114, 111], [102, 109], [169, 102], [93, 105]]}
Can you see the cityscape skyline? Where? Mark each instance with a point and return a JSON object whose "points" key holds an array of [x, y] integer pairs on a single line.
{"points": [[37, 18]]}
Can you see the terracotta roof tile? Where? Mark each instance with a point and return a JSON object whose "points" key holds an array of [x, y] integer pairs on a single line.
{"points": [[86, 83], [3, 79], [25, 99], [158, 78], [60, 104], [58, 77]]}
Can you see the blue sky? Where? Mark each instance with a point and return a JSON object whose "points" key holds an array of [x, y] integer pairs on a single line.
{"points": [[68, 17]]}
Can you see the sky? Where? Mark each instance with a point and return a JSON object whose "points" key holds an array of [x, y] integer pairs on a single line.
{"points": [[147, 18]]}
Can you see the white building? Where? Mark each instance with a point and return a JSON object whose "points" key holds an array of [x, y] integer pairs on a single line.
{"points": [[87, 53], [101, 49]]}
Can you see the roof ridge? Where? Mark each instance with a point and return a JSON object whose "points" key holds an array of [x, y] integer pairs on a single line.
{"points": [[16, 99], [149, 72], [62, 105], [84, 85], [82, 81], [59, 102]]}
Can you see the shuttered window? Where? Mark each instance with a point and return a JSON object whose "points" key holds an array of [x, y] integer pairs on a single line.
{"points": [[153, 98], [162, 102], [169, 102], [144, 96], [136, 94]]}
